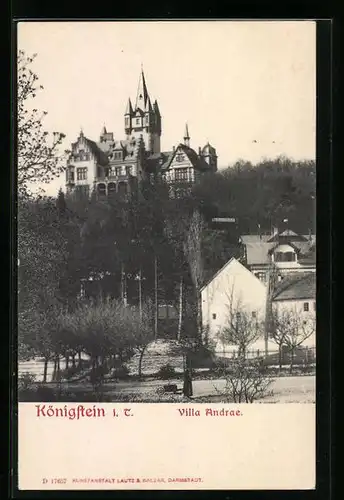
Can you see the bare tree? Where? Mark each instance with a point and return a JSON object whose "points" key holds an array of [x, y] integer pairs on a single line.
{"points": [[296, 329], [193, 254], [246, 382], [39, 159], [243, 327], [279, 327]]}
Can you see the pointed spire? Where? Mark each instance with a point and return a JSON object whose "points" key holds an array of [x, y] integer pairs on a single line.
{"points": [[129, 108], [103, 132], [142, 93], [186, 136], [148, 107], [156, 108]]}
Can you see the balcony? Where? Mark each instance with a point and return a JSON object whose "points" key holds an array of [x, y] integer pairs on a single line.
{"points": [[113, 177]]}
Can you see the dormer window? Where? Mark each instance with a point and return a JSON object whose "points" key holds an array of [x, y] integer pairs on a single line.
{"points": [[285, 257]]}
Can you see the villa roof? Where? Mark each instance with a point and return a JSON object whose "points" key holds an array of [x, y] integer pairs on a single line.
{"points": [[296, 287]]}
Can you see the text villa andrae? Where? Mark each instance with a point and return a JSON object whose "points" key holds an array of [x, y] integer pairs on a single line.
{"points": [[81, 411]]}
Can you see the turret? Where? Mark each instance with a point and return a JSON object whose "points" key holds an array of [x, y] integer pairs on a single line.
{"points": [[209, 155], [186, 136], [127, 117]]}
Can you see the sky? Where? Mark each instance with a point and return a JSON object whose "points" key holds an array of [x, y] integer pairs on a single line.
{"points": [[247, 87]]}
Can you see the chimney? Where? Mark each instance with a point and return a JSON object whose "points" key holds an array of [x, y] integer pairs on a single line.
{"points": [[199, 151]]}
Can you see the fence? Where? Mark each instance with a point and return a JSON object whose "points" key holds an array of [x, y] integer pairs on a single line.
{"points": [[300, 355]]}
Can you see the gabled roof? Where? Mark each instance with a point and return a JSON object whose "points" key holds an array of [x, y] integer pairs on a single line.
{"points": [[232, 260], [100, 156], [197, 162], [297, 287]]}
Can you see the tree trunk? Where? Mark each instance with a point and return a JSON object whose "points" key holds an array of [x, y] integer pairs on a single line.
{"points": [[199, 317], [291, 360], [180, 308], [73, 360], [67, 361], [140, 361], [45, 371], [156, 297], [280, 357], [187, 385], [79, 358], [140, 294], [54, 370]]}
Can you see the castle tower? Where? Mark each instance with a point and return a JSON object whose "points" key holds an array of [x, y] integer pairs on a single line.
{"points": [[144, 119]]}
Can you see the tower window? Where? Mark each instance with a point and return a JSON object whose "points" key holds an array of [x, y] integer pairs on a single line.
{"points": [[214, 316]]}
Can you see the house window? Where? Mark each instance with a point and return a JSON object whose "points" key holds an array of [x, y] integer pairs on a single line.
{"points": [[118, 170], [254, 314], [306, 306], [261, 276], [179, 157], [81, 174], [118, 155], [128, 170], [71, 176], [147, 119], [127, 122], [214, 316], [238, 316], [81, 154], [137, 121], [181, 174]]}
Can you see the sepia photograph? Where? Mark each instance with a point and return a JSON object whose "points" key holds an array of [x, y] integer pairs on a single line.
{"points": [[166, 234]]}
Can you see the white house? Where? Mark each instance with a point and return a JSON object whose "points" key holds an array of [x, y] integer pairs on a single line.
{"points": [[232, 290], [295, 297]]}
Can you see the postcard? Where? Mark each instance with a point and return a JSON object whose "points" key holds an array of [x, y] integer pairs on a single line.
{"points": [[166, 255]]}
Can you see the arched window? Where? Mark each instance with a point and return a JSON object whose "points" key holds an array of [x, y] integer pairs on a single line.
{"points": [[101, 188]]}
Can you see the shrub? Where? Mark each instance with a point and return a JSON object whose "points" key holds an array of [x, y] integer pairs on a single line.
{"points": [[120, 372], [246, 382], [166, 372], [26, 381]]}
